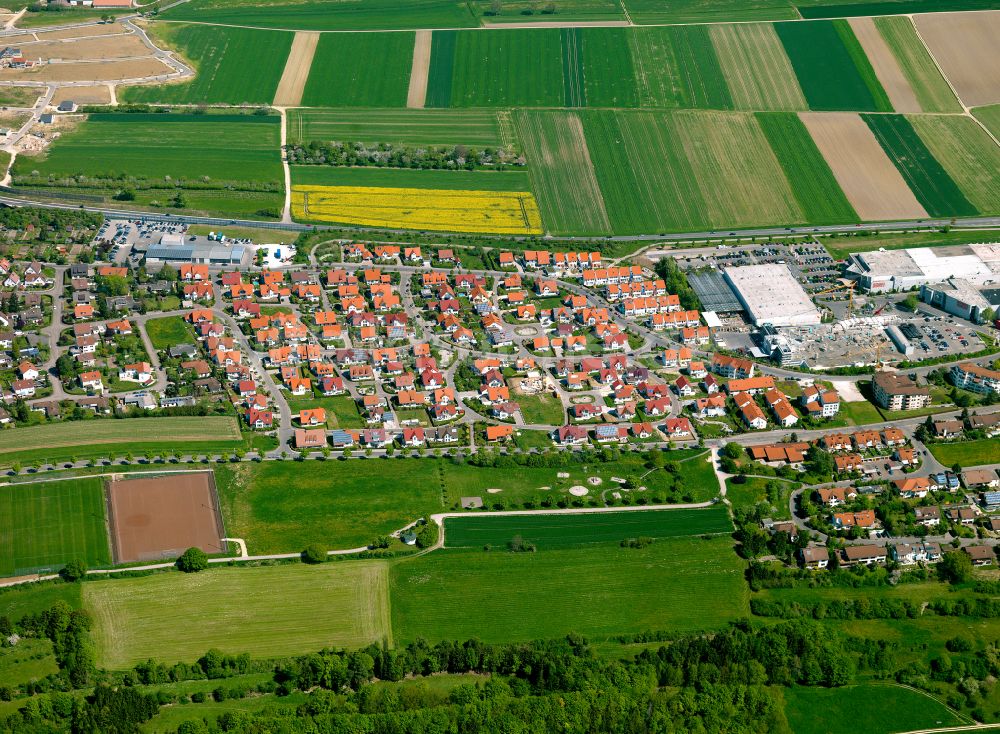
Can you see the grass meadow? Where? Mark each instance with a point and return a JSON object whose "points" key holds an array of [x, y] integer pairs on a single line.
{"points": [[320, 15], [990, 117], [678, 67], [678, 584], [873, 708], [222, 58], [551, 532], [360, 70], [478, 128], [966, 153], [606, 65], [30, 659], [169, 331], [931, 89], [831, 67], [47, 524], [697, 11], [925, 176], [505, 68], [17, 601], [271, 611], [411, 178], [967, 453]]}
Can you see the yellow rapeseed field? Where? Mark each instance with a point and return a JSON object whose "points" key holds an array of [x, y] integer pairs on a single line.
{"points": [[495, 212]]}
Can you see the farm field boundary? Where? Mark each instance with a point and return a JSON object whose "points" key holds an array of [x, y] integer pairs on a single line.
{"points": [[293, 79]]}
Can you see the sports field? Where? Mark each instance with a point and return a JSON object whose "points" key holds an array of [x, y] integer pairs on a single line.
{"points": [[360, 70], [549, 532], [967, 154], [137, 430], [268, 612], [598, 591], [44, 525], [221, 57], [478, 128]]}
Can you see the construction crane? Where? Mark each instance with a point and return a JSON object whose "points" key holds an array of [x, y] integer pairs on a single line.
{"points": [[849, 287]]}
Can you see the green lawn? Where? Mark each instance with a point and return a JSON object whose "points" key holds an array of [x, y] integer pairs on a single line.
{"points": [[169, 331], [268, 612], [281, 507], [360, 70], [399, 126], [923, 173], [18, 601], [341, 410], [42, 526], [542, 409], [967, 453], [221, 57], [549, 532], [860, 413], [598, 591], [30, 659], [841, 247], [754, 491], [872, 708]]}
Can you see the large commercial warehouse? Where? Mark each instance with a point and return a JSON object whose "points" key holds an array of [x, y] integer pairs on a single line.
{"points": [[770, 294], [899, 270], [199, 250], [961, 298]]}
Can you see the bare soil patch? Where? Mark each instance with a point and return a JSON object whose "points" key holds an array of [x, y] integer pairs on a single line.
{"points": [[97, 94], [296, 73], [871, 182], [887, 68], [417, 92], [578, 490], [83, 31], [89, 72], [88, 49], [161, 517], [965, 46]]}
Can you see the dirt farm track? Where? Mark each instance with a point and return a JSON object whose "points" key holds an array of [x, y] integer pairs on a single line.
{"points": [[161, 517]]}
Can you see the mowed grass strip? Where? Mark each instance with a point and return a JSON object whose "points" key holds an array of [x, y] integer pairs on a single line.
{"points": [[267, 612], [931, 89], [183, 147], [549, 532], [678, 584], [816, 190], [608, 73], [360, 70], [223, 59], [47, 524], [506, 68], [409, 178], [967, 153], [756, 67], [925, 176], [831, 67], [441, 74], [141, 430], [699, 11], [562, 173], [281, 507], [400, 126]]}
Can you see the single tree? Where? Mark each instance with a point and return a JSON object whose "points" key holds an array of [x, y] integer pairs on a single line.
{"points": [[314, 553], [193, 560]]}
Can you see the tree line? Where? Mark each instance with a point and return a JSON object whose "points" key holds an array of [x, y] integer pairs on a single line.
{"points": [[388, 155]]}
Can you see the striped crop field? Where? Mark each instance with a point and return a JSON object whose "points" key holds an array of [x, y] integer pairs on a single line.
{"points": [[360, 70], [548, 532], [494, 212], [930, 88], [678, 67], [812, 181], [756, 67], [967, 154], [925, 176], [45, 525], [562, 174], [478, 128], [608, 74], [142, 430], [831, 66], [222, 58]]}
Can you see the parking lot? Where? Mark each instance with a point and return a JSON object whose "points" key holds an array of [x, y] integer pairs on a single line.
{"points": [[129, 238]]}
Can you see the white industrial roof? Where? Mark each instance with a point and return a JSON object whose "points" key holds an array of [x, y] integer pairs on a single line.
{"points": [[772, 295]]}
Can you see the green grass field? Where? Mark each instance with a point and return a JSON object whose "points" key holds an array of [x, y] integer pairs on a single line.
{"points": [[527, 11], [403, 127], [967, 453], [277, 611], [826, 9], [860, 413], [872, 708], [931, 89], [550, 532], [222, 147], [542, 409], [441, 71], [925, 176], [562, 172], [831, 67], [678, 67], [30, 659], [598, 591], [840, 247], [756, 67], [281, 507], [754, 491], [606, 63], [221, 57], [506, 68], [341, 410], [42, 526], [696, 11], [17, 601], [816, 190], [318, 15], [360, 70], [990, 117], [410, 178], [169, 331], [966, 153]]}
